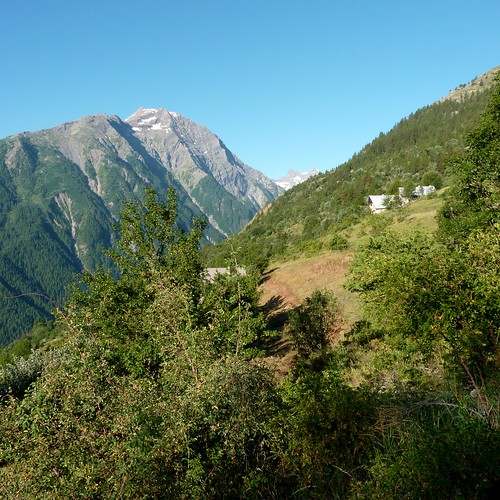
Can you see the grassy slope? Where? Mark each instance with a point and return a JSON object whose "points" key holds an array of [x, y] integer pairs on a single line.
{"points": [[288, 283]]}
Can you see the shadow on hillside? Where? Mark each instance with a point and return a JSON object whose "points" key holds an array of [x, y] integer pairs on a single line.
{"points": [[277, 316], [275, 313], [267, 275], [277, 346]]}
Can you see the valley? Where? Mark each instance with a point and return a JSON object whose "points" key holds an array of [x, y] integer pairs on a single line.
{"points": [[62, 190], [357, 355]]}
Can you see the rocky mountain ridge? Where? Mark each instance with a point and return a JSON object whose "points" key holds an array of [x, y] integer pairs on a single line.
{"points": [[61, 190], [476, 85], [195, 155]]}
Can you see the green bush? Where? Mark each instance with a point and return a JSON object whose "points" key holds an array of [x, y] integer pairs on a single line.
{"points": [[338, 243], [18, 375], [362, 333], [327, 430], [312, 324], [432, 449]]}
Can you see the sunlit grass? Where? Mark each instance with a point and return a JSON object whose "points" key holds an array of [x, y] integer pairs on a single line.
{"points": [[296, 278]]}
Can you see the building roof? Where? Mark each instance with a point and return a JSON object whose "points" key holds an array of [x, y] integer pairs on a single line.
{"points": [[379, 201], [211, 272]]}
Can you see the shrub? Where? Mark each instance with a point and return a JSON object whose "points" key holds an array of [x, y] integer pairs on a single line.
{"points": [[17, 376], [338, 243], [311, 324], [433, 449]]}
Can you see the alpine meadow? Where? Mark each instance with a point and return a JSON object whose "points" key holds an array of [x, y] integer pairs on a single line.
{"points": [[378, 378]]}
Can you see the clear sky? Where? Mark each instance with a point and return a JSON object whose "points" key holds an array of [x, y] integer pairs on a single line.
{"points": [[295, 84]]}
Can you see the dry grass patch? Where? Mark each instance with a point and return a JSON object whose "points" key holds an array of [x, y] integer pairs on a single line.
{"points": [[293, 281], [286, 286]]}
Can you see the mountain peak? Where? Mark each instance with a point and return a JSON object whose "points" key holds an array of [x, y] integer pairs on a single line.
{"points": [[151, 119], [67, 184], [294, 177]]}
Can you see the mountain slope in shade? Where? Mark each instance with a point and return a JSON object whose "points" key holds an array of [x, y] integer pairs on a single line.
{"points": [[61, 190]]}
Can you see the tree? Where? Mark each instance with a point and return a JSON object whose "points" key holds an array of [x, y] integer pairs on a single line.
{"points": [[311, 325], [152, 394], [474, 203], [150, 239]]}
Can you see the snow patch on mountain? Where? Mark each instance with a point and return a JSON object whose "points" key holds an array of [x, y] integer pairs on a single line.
{"points": [[294, 177]]}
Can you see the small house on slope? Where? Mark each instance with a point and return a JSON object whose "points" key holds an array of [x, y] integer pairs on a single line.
{"points": [[212, 272], [379, 202]]}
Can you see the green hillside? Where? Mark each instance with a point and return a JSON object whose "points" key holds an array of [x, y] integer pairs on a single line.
{"points": [[419, 150]]}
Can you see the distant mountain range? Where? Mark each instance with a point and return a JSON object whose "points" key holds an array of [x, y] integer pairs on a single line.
{"points": [[294, 177], [61, 190]]}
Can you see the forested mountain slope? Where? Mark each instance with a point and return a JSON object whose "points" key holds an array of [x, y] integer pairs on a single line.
{"points": [[61, 190], [419, 150]]}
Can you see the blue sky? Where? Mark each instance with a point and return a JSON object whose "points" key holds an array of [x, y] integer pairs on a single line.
{"points": [[285, 84]]}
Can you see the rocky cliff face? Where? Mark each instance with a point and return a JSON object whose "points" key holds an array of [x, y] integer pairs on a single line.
{"points": [[62, 189], [118, 158], [201, 163]]}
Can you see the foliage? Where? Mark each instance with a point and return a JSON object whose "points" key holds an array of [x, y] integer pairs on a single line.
{"points": [[432, 448], [231, 313], [433, 291], [43, 335], [389, 273], [432, 178], [151, 239], [338, 242], [312, 325], [157, 391], [327, 428], [18, 375], [423, 290], [474, 204], [154, 397]]}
